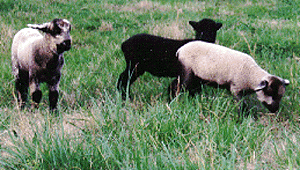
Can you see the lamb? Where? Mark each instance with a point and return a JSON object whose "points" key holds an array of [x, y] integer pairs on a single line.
{"points": [[157, 55], [38, 58], [237, 71]]}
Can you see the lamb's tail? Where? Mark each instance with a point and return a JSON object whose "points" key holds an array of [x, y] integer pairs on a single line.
{"points": [[124, 47], [177, 53]]}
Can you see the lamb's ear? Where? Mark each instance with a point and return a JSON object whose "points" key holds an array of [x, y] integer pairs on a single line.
{"points": [[43, 27], [218, 25], [193, 24], [263, 84], [52, 27], [286, 82]]}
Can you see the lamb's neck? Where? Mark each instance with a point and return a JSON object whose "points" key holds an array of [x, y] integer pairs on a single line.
{"points": [[49, 46], [46, 53], [257, 74]]}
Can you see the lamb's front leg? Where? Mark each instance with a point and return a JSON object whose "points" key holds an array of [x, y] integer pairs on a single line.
{"points": [[53, 99], [243, 106], [53, 92], [128, 76]]}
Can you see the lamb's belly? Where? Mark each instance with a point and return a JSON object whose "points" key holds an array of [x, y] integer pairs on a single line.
{"points": [[215, 79], [212, 74]]}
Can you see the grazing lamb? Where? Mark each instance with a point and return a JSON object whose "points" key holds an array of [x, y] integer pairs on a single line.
{"points": [[157, 55], [237, 71], [38, 58]]}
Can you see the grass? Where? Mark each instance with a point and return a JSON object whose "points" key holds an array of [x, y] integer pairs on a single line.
{"points": [[95, 129]]}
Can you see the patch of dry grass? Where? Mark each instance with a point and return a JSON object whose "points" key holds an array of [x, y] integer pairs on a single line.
{"points": [[138, 7], [106, 26], [172, 30], [274, 24], [6, 36], [26, 125]]}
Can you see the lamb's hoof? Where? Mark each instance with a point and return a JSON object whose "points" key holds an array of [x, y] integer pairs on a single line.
{"points": [[54, 112], [22, 105], [34, 106]]}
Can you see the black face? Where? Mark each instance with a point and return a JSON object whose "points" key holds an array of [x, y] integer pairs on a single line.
{"points": [[272, 107], [206, 29], [64, 46], [60, 30], [273, 92]]}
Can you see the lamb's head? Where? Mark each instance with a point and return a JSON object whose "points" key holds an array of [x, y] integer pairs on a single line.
{"points": [[206, 29], [59, 30], [270, 91]]}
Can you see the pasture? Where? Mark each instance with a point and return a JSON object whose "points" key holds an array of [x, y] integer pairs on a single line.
{"points": [[96, 129]]}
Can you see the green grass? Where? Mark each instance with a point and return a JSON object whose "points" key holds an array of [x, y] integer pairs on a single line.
{"points": [[95, 129]]}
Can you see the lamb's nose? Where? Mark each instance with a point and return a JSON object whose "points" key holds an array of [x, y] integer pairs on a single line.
{"points": [[67, 42]]}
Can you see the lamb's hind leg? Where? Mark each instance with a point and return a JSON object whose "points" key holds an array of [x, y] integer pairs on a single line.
{"points": [[183, 81], [21, 85], [128, 76], [35, 92], [192, 84]]}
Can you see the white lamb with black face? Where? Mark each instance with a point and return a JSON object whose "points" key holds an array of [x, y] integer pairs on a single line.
{"points": [[38, 58], [215, 64]]}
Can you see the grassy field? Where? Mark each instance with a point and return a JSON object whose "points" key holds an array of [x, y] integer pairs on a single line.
{"points": [[95, 129]]}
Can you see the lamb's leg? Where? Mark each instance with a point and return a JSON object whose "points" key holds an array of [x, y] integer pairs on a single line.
{"points": [[195, 85], [183, 81], [53, 92], [21, 86], [128, 76], [123, 79], [243, 106], [174, 87], [244, 109], [36, 93], [53, 99]]}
